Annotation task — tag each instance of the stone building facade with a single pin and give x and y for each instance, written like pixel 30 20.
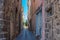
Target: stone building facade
pixel 33 6
pixel 1 21
pixel 34 18
pixel 11 19
pixel 52 19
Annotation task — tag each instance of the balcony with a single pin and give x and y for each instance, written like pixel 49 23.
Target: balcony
pixel 2 38
pixel 59 1
pixel 1 25
pixel 1 12
pixel 2 35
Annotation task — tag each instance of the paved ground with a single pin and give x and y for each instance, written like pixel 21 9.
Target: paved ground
pixel 26 35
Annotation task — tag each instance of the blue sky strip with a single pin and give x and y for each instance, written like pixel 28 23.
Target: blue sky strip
pixel 25 7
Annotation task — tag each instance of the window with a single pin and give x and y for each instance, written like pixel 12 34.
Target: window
pixel 54 38
pixel 59 8
pixel 46 1
pixel 46 35
pixel 0 29
pixel 1 16
pixel 1 1
pixel 18 0
pixel 48 20
pixel 1 7
pixel 49 25
pixel 1 35
pixel 47 30
pixel 1 22
pixel 56 17
pixel 58 0
pixel 16 10
pixel 5 35
pixel 46 25
pixel 1 12
pixel 45 39
pixel 49 13
pixel 58 23
pixel 58 31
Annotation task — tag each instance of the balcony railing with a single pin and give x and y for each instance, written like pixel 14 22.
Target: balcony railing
pixel 2 38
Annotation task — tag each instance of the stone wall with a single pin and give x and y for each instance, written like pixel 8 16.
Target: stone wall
pixel 53 19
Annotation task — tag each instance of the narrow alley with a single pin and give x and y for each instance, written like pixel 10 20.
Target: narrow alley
pixel 25 35
pixel 29 19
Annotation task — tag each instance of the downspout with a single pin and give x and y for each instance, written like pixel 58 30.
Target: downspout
pixel 43 16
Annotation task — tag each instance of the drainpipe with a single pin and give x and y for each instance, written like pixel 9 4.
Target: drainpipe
pixel 43 16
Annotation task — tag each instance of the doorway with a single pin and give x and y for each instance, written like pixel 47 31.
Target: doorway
pixel 39 23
